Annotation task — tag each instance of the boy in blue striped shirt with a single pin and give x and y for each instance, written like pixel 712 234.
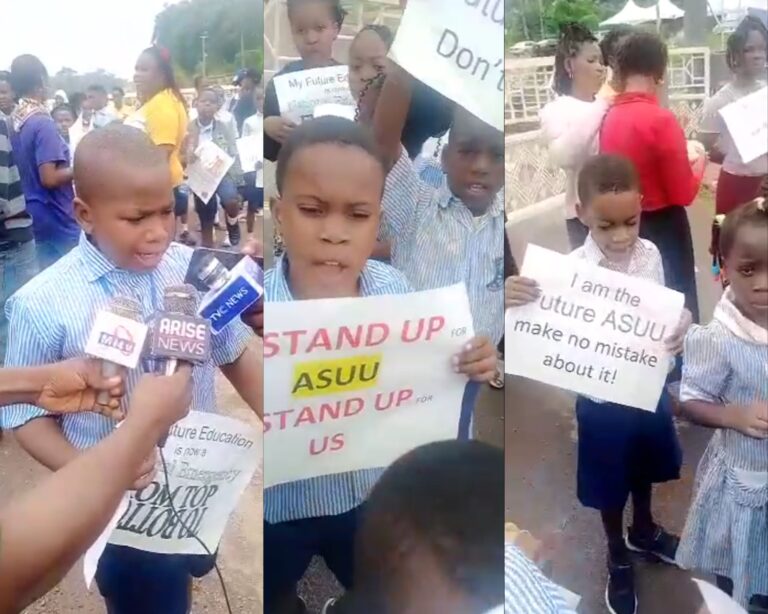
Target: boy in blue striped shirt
pixel 452 234
pixel 124 205
pixel 330 178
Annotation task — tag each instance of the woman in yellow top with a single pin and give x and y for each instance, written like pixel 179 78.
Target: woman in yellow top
pixel 163 116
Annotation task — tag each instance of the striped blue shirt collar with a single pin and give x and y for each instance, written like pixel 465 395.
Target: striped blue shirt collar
pixel 446 199
pixel 96 264
pixel 371 280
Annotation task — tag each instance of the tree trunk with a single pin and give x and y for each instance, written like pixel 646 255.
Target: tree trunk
pixel 541 19
pixel 695 22
pixel 524 19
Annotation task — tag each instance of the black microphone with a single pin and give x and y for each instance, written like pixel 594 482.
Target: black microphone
pixel 117 338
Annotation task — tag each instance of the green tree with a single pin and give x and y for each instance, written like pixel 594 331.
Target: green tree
pixel 230 27
pixel 562 12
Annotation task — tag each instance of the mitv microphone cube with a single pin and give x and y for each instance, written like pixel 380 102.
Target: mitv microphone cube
pixel 116 339
pixel 232 294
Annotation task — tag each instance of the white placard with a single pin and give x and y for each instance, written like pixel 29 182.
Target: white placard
pixel 355 383
pixel 116 339
pixel 250 149
pixel 335 110
pixel 747 122
pixel 211 459
pixel 299 93
pixel 457 48
pixel 716 601
pixel 594 331
pixel 211 166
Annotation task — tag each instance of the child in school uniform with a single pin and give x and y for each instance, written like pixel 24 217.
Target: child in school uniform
pixel 125 208
pixel 623 450
pixel 330 177
pixel 452 234
pixel 253 188
pixel 205 127
pixel 725 386
pixel 430 542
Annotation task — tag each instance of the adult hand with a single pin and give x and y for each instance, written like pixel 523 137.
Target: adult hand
pixel 254 317
pixel 278 128
pixel 161 401
pixel 477 360
pixel 74 386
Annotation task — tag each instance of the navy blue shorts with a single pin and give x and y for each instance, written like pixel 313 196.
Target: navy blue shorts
pixel 290 546
pixel 225 193
pixel 180 200
pixel 621 447
pixel 133 581
pixel 251 194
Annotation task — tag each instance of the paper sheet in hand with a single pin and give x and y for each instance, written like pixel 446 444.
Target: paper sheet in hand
pixel 594 331
pixel 250 149
pixel 457 48
pixel 211 459
pixel 748 124
pixel 355 383
pixel 205 174
pixel 299 93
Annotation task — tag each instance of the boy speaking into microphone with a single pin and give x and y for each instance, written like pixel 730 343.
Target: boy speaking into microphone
pixel 125 207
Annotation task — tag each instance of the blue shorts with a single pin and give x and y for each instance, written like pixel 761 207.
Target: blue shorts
pixel 137 582
pixel 622 447
pixel 251 194
pixel 180 200
pixel 225 193
pixel 290 546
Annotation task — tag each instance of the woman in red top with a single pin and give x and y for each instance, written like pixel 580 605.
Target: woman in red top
pixel 640 129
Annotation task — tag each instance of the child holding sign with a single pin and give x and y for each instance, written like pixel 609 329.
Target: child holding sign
pixel 207 128
pixel 739 181
pixel 315 25
pixel 622 450
pixel 452 234
pixel 725 387
pixel 330 177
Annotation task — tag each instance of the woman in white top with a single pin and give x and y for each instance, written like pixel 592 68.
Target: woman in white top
pixel 570 123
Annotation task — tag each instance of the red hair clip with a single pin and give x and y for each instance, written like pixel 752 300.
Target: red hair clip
pixel 165 54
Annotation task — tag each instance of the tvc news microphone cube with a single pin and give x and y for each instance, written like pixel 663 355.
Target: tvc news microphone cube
pixel 117 339
pixel 231 292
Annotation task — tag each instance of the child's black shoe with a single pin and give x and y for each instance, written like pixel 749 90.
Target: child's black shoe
pixel 233 230
pixel 659 545
pixel 620 597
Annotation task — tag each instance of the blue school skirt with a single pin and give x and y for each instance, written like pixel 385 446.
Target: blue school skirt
pixel 621 447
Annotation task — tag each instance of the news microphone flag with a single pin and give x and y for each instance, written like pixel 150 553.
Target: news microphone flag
pixel 231 292
pixel 117 338
pixel 178 334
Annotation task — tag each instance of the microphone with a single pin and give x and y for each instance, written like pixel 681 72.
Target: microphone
pixel 230 292
pixel 117 338
pixel 178 334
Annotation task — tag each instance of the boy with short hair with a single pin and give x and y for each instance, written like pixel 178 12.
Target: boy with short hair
pixel 454 233
pixel 124 207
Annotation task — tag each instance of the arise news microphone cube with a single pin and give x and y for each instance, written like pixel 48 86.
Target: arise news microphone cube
pixel 181 337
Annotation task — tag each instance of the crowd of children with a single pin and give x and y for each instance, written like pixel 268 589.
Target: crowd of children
pixel 630 175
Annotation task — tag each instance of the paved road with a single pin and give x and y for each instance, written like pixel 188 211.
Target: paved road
pixel 540 447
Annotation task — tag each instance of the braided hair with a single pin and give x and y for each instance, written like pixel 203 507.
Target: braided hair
pixel 726 227
pixel 573 37
pixel 162 57
pixel 737 41
pixel 377 82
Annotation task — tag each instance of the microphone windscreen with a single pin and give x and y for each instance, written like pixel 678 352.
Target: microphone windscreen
pixel 125 307
pixel 181 299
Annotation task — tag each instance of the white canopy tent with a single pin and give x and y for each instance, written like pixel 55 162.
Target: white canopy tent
pixel 632 14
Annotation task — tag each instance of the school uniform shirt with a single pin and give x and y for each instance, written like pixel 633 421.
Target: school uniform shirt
pixel 51 317
pixel 644 263
pixel 327 495
pixel 712 123
pixel 526 589
pixel 726 533
pixel 164 118
pixel 437 242
pixel 640 129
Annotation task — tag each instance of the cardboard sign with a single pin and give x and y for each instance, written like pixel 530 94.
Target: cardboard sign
pixel 748 124
pixel 457 48
pixel 594 331
pixel 356 383
pixel 205 174
pixel 299 93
